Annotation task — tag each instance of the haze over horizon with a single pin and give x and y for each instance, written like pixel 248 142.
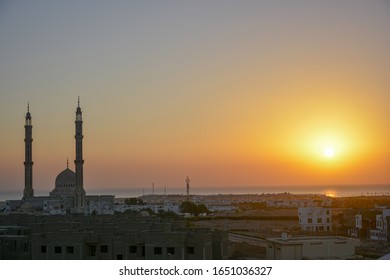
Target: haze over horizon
pixel 229 93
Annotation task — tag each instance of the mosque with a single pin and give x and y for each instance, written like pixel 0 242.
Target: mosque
pixel 68 195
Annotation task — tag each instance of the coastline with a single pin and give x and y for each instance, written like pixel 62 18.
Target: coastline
pixel 330 190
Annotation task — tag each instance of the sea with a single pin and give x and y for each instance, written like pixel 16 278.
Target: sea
pixel 330 190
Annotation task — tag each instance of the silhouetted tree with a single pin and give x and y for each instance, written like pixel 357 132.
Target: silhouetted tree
pixel 188 207
pixel 192 208
pixel 203 209
pixel 134 201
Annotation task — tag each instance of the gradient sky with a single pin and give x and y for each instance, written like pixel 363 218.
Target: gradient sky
pixel 230 93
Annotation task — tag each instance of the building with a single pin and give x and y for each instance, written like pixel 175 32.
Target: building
pixel 15 242
pixel 315 219
pixel 68 195
pixel 388 228
pixel 381 231
pixel 365 223
pixel 80 237
pixel 314 247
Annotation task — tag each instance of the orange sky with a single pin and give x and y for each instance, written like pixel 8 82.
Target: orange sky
pixel 247 95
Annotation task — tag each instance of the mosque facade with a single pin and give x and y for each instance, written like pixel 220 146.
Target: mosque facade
pixel 68 195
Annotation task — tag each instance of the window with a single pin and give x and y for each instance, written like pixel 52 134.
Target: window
pixel 190 250
pixel 43 249
pixel 92 250
pixel 327 220
pixel 319 220
pixel 103 249
pixel 157 250
pixel 25 247
pixel 309 220
pixel 57 249
pixel 69 249
pixel 327 212
pixel 170 250
pixel 133 249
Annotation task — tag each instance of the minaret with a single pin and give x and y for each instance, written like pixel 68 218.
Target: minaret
pixel 79 190
pixel 28 163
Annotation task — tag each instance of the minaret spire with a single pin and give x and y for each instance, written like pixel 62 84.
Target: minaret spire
pixel 79 195
pixel 67 162
pixel 28 163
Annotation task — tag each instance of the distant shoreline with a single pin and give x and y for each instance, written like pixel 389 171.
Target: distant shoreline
pixel 331 190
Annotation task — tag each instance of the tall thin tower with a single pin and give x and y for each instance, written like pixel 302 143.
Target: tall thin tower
pixel 188 186
pixel 28 163
pixel 79 162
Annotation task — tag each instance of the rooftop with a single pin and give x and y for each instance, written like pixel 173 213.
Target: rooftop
pixel 305 239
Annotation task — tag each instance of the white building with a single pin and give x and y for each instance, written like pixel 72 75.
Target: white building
pixel 156 208
pixel 381 231
pixel 298 248
pixel 314 219
pixel 358 226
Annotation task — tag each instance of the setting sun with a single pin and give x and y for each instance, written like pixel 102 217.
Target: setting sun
pixel 329 152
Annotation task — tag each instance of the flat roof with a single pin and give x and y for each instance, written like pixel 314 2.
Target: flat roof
pixel 305 239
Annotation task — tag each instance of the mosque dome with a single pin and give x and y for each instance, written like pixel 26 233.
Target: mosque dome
pixel 66 178
pixel 144 214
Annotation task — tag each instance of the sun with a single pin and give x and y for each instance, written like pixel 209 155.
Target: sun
pixel 331 194
pixel 329 152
